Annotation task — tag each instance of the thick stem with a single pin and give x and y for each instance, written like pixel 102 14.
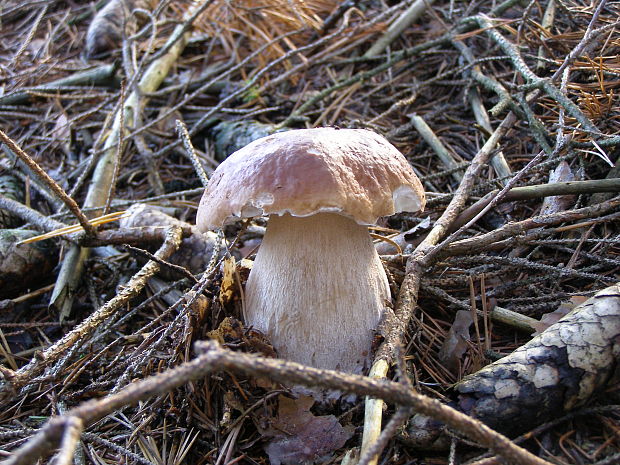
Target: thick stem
pixel 318 290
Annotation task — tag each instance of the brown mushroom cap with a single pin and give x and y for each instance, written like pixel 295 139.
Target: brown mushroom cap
pixel 353 172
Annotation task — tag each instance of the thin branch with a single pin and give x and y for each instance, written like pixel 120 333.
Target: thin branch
pixel 371 454
pixel 53 353
pixel 214 358
pixel 437 145
pixel 73 428
pixel 403 21
pixel 585 41
pixel 511 230
pixel 62 195
pixel 396 325
pixel 40 222
pixel 535 81
pixel 181 30
pixel 535 192
pixel 117 154
pixel 191 152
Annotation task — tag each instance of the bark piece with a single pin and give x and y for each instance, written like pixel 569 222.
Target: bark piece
pixel 195 251
pixel 230 136
pixel 25 264
pixel 557 371
pixel 12 188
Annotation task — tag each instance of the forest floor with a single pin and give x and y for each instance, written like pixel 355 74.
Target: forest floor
pixel 508 112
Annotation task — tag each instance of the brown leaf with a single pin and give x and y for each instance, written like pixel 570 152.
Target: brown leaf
pixel 558 203
pixel 229 330
pixel 455 344
pixel 552 318
pixel 167 120
pixel 232 331
pixel 301 437
pixel 227 289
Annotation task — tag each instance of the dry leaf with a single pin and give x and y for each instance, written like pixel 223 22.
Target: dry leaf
pixel 455 344
pixel 558 203
pixel 167 120
pixel 37 47
pixel 62 132
pixel 232 331
pixel 301 437
pixel 227 289
pixel 564 309
pixel 229 330
pixel 62 128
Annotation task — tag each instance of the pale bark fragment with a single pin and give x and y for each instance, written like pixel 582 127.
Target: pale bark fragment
pixel 196 248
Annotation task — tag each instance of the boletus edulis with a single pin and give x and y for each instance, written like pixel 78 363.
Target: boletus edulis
pixel 317 287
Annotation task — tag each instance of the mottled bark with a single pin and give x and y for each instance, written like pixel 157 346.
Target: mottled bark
pixel 559 370
pixel 231 136
pixel 24 264
pixel 12 188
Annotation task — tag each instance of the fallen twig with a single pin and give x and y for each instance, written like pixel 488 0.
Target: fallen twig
pixel 103 176
pixel 213 358
pixel 541 190
pixel 101 75
pixel 53 353
pixel 410 16
pixel 416 265
pixel 62 195
pixel 39 221
pixel 514 230
pixel 438 147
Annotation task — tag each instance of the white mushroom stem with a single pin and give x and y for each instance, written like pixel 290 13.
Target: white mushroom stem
pixel 318 290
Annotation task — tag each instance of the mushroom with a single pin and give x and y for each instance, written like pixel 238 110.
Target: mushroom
pixel 317 287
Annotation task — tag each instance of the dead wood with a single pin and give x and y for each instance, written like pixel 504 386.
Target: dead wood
pixel 556 372
pixel 25 375
pixel 214 358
